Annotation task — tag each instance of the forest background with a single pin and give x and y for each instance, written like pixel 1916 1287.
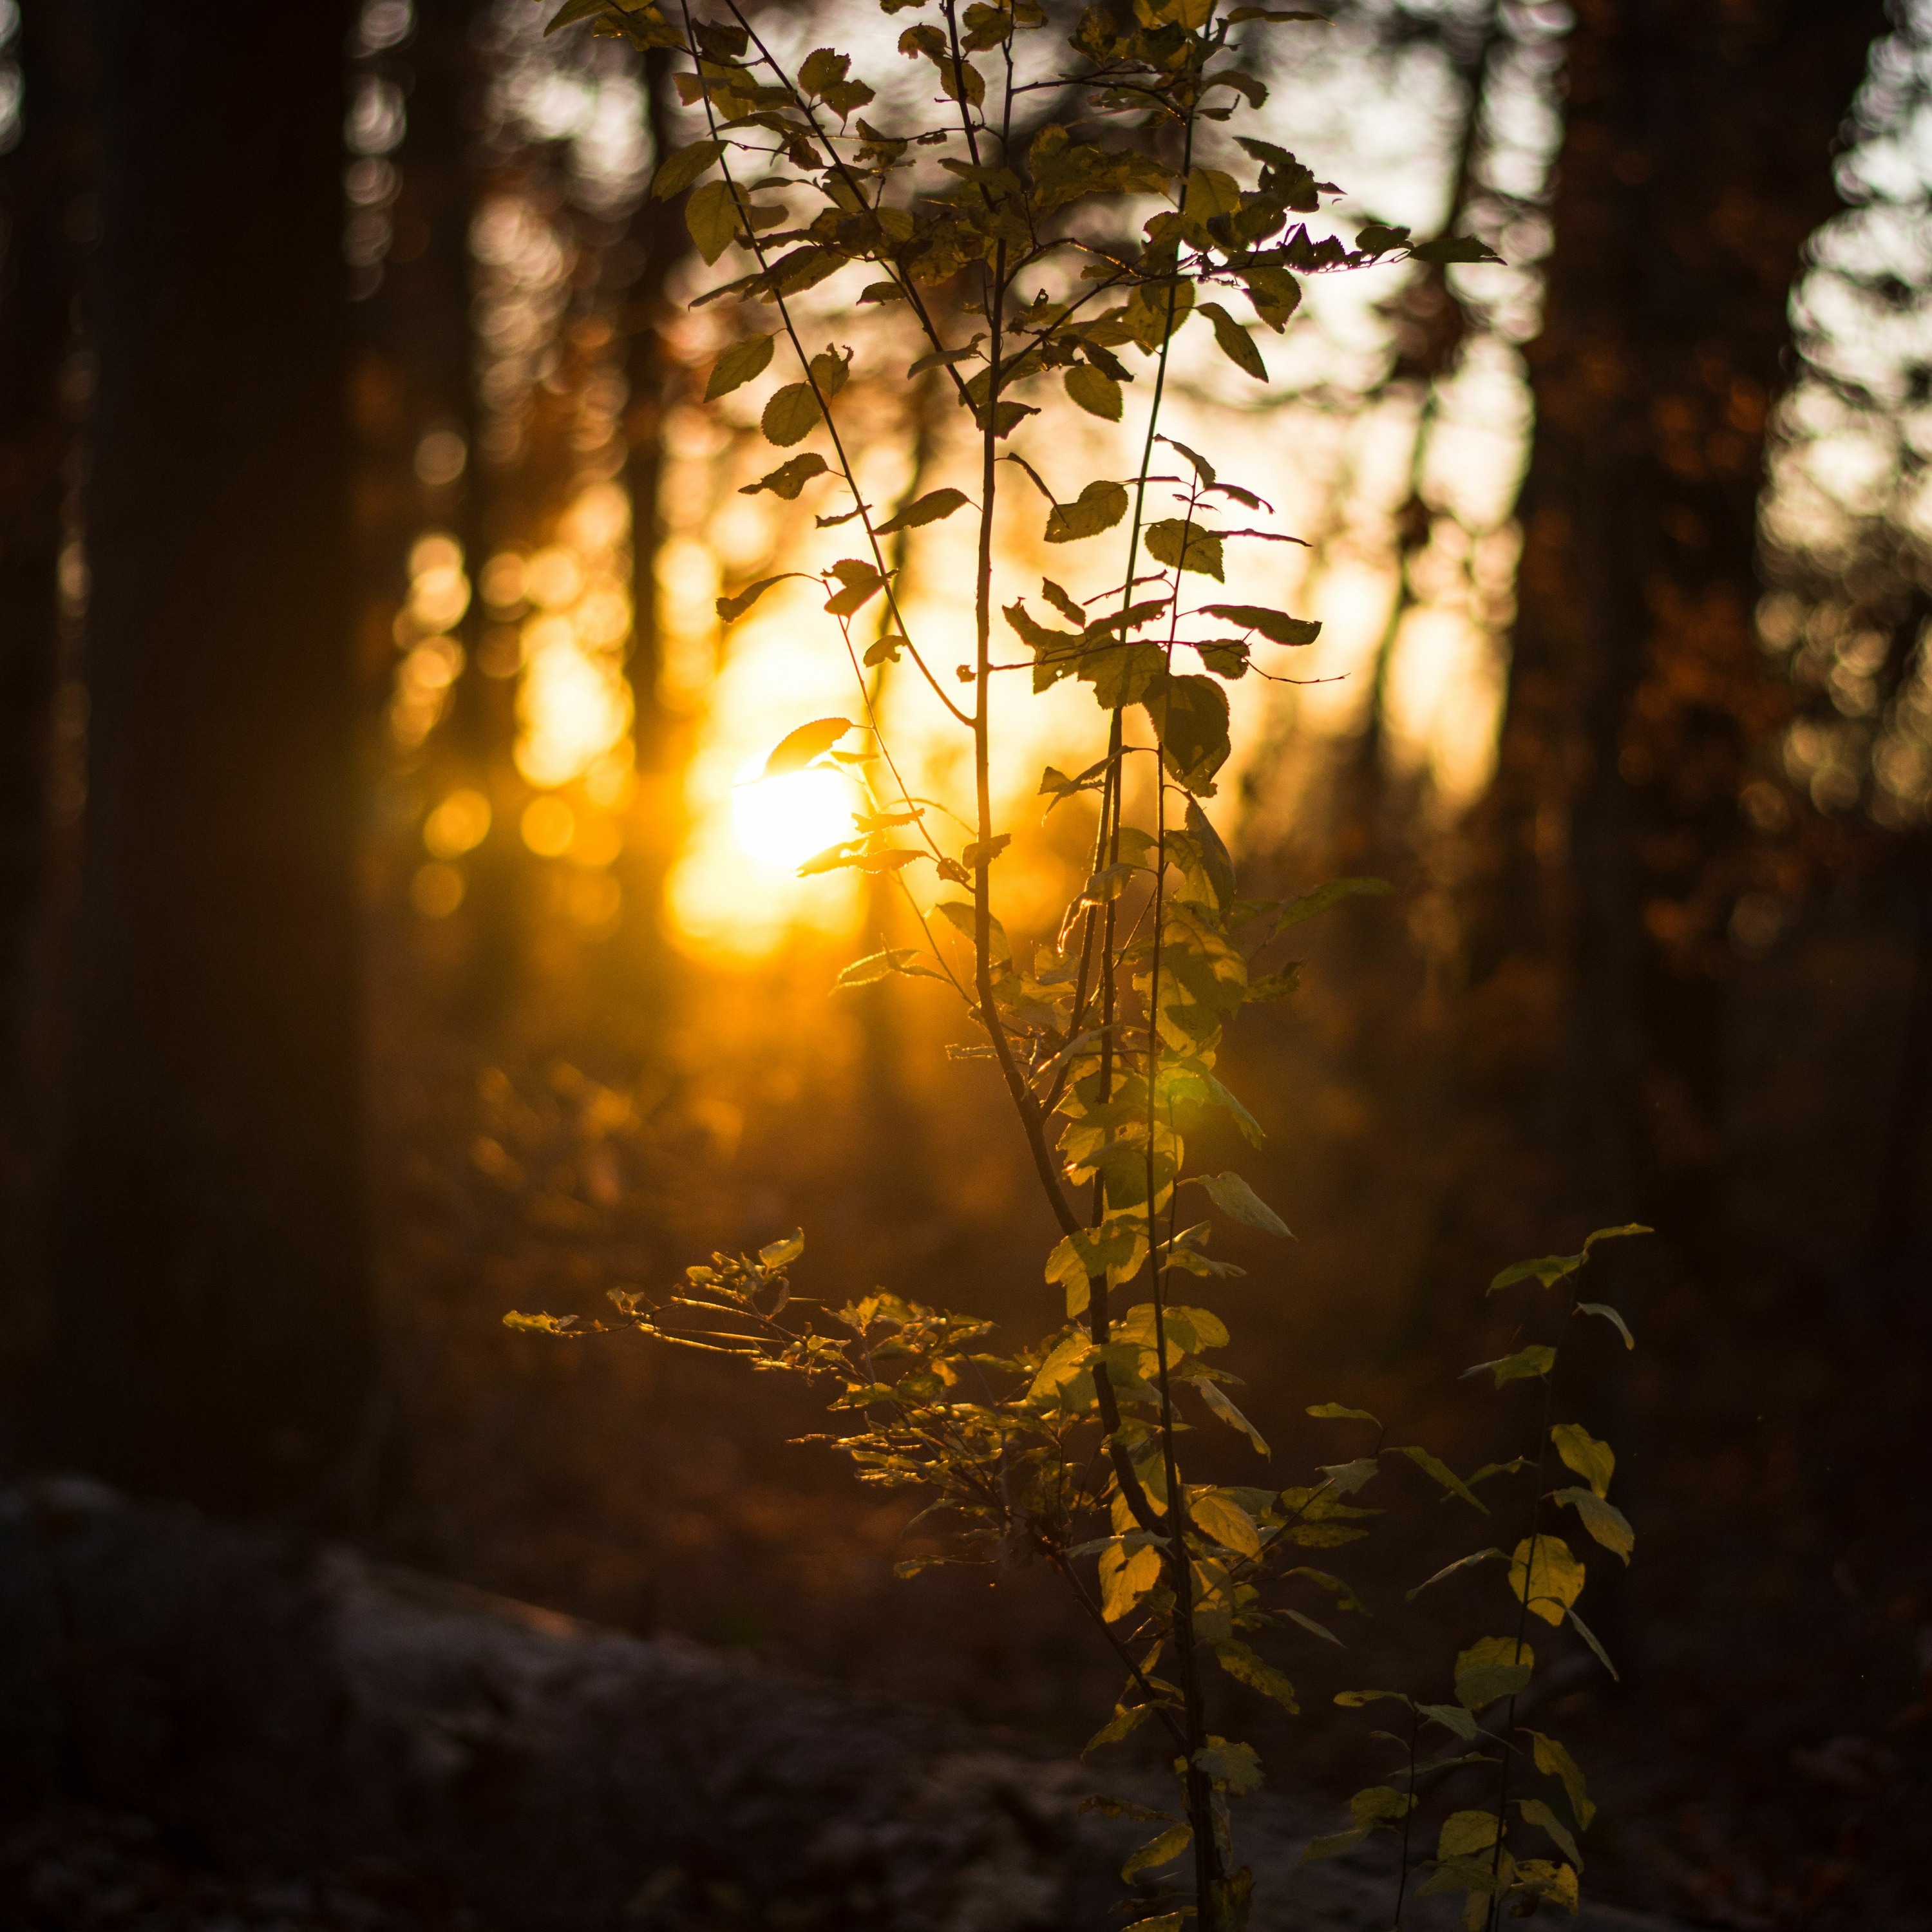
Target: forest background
pixel 391 937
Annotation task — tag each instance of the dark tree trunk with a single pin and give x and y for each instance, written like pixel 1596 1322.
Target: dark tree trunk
pixel 213 1334
pixel 1697 161
pixel 42 224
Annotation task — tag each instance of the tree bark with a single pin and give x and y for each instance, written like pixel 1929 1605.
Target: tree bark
pixel 213 1330
pixel 1697 161
pixel 42 211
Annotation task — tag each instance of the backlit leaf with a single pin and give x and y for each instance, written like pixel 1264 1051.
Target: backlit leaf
pixel 791 415
pixel 680 170
pixel 1595 1462
pixel 1464 1832
pixel 737 366
pixel 1235 1767
pixel 1162 1850
pixel 1546 1575
pixel 789 478
pixel 1180 543
pixel 730 609
pixel 1450 1569
pixel 1239 1202
pixel 1099 507
pixel 1603 1520
pixel 1220 1516
pixel 797 749
pixel 930 508
pixel 1435 1467
pixel 1096 392
pixel 1535 1812
pixel 1534 1360
pixel 1234 342
pixel 1245 1667
pixel 1547 1270
pixel 1278 627
pixel 1493 1667
pixel 1334 1412
pixel 1554 1761
pixel 1610 1315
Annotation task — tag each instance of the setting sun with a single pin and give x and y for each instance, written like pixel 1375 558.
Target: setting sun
pixel 782 822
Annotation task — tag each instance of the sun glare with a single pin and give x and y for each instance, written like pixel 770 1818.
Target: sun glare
pixel 782 822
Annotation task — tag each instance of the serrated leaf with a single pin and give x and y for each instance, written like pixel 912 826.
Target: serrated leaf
pixel 678 170
pixel 791 415
pixel 1243 1665
pixel 776 1254
pixel 1182 544
pixel 789 478
pixel 730 609
pixel 1190 715
pixel 1554 1761
pixel 738 365
pixel 1159 1851
pixel 1278 627
pixel 711 216
pixel 797 749
pixel 1234 342
pixel 1239 1202
pixel 935 506
pixel 1447 248
pixel 1220 1517
pixel 1603 1520
pixel 1099 507
pixel 1595 1462
pixel 1094 391
pixel 1546 1576
pixel 1233 1765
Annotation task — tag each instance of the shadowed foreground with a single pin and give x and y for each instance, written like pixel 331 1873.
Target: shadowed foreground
pixel 378 1748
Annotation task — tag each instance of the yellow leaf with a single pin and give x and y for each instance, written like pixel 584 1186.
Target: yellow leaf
pixel 1464 1832
pixel 1220 1517
pixel 1595 1462
pixel 1545 1574
pixel 791 416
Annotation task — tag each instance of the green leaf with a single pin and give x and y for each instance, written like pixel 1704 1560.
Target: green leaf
pixel 1610 1315
pixel 1548 1269
pixel 1182 544
pixel 1589 1637
pixel 789 478
pixel 730 609
pixel 934 506
pixel 1348 1478
pixel 1603 1520
pixel 902 960
pixel 1433 1465
pixel 1278 627
pixel 1243 1665
pixel 791 416
pixel 1234 1767
pixel 1546 1576
pixel 711 216
pixel 737 366
pixel 1617 1234
pixel 1099 507
pixel 680 170
pixel 1450 1569
pixel 1123 1724
pixel 1234 342
pixel 1535 1812
pixel 1334 1412
pixel 1275 293
pixel 1464 1832
pixel 1535 1360
pixel 797 749
pixel 776 1254
pixel 1452 1717
pixel 1190 715
pixel 1095 391
pixel 1159 1851
pixel 1222 1405
pixel 1553 1761
pixel 1493 1667
pixel 1239 1202
pixel 1454 248
pixel 1595 1462
pixel 1312 905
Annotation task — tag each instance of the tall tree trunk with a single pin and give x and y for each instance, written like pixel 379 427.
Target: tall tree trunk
pixel 42 183
pixel 1696 160
pixel 213 1335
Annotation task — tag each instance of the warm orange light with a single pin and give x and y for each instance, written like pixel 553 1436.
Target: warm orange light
pixel 459 824
pixel 781 822
pixel 548 826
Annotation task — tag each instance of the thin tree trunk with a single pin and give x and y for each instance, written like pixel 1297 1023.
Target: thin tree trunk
pixel 213 1337
pixel 42 183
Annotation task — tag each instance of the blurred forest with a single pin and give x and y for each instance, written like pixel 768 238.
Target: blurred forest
pixel 389 938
